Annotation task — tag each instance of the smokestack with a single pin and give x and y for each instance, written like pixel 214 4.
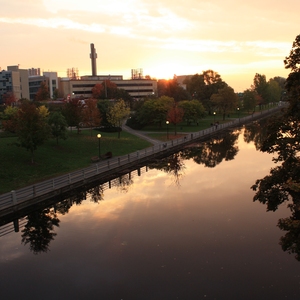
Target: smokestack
pixel 93 57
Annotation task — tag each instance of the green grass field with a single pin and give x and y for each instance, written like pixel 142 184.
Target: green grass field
pixel 50 159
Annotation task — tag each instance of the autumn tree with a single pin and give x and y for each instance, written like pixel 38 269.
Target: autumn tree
pixel 193 111
pixel 72 111
pixel 97 91
pixel 58 126
pixel 90 114
pixel 9 99
pixel 175 115
pixel 31 128
pixel 172 89
pixel 117 114
pixel 43 92
pixel 225 100
pixel 8 118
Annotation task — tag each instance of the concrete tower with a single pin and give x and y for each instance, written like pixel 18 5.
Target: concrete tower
pixel 93 57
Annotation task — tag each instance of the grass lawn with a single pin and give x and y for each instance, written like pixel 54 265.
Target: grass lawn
pixel 50 159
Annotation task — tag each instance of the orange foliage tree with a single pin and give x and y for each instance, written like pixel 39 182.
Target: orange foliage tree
pixel 91 115
pixel 175 115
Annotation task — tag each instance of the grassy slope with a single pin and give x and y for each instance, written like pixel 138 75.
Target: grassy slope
pixel 52 160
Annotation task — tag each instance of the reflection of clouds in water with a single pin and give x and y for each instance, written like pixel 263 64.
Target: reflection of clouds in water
pixel 8 248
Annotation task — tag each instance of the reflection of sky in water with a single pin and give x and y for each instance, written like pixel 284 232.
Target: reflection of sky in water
pixel 202 239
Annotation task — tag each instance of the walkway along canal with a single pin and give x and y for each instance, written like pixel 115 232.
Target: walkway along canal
pixel 22 198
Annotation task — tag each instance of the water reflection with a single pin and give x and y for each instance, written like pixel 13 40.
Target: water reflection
pixel 216 150
pixel 272 190
pixel 39 230
pixel 173 165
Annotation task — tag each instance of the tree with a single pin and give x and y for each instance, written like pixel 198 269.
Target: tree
pixel 9 119
pixel 97 91
pixel 72 111
pixel 175 115
pixel 91 114
pixel 9 99
pixel 261 87
pixel 225 100
pixel 117 114
pixel 203 86
pixel 283 139
pixel 154 111
pixel 193 111
pixel 43 92
pixel 58 126
pixel 293 60
pixel 249 100
pixel 274 90
pixel 172 89
pixel 31 128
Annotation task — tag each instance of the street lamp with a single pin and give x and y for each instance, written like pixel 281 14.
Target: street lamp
pixel 214 117
pixel 99 137
pixel 167 122
pixel 238 109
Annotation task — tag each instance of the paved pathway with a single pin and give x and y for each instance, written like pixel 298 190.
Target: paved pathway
pixel 141 134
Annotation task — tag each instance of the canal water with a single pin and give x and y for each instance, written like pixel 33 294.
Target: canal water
pixel 186 228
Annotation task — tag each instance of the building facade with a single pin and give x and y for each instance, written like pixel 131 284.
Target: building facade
pixel 137 88
pixel 14 82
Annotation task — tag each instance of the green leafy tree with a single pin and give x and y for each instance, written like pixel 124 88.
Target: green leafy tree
pixel 225 100
pixel 260 85
pixel 249 100
pixel 203 86
pixel 117 114
pixel 154 111
pixel 274 91
pixel 58 126
pixel 193 111
pixel 31 128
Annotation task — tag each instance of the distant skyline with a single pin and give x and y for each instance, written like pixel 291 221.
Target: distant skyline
pixel 234 38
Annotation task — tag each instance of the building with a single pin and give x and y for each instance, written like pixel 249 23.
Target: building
pixel 14 82
pixel 82 87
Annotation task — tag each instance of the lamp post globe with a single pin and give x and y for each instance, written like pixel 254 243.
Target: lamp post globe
pixel 167 122
pixel 99 138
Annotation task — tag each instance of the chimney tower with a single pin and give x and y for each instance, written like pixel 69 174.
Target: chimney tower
pixel 93 57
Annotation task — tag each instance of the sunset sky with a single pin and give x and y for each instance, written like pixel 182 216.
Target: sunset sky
pixel 234 38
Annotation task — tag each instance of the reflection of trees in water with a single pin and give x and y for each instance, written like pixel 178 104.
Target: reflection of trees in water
pixel 123 183
pixel 256 133
pixel 173 165
pixel 96 193
pixel 216 150
pixel 39 230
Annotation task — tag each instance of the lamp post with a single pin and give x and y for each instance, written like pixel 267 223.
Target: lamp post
pixel 238 109
pixel 214 117
pixel 99 137
pixel 167 122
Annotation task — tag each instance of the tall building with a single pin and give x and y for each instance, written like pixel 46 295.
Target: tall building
pixel 14 82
